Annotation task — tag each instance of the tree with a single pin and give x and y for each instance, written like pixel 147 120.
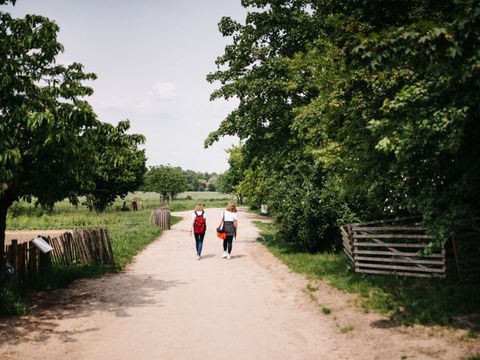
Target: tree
pixel 230 179
pixel 121 165
pixel 165 180
pixel 360 109
pixel 212 184
pixel 426 128
pixel 44 150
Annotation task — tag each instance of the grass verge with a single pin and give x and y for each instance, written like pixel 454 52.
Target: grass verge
pixel 405 300
pixel 130 233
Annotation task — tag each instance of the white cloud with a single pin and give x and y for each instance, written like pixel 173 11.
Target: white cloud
pixel 164 91
pixel 161 92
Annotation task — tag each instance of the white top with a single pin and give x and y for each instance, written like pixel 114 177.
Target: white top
pixel 230 216
pixel 199 212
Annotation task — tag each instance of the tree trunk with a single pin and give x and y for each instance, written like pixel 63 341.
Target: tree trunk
pixel 5 201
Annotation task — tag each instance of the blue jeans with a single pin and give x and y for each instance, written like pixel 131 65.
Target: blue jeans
pixel 199 242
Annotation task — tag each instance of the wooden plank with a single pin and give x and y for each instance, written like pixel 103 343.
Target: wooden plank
pixel 384 259
pixel 393 245
pixel 21 260
pixel 398 267
pixel 105 255
pixel 381 272
pixel 391 236
pixel 84 246
pixel 397 253
pixel 109 243
pixel 388 228
pixel 56 258
pixel 346 243
pixel 349 256
pixel 79 249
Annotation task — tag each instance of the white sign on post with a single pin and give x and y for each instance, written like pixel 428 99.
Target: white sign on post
pixel 264 209
pixel 42 245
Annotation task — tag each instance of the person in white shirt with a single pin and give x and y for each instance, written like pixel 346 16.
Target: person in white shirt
pixel 230 225
pixel 199 227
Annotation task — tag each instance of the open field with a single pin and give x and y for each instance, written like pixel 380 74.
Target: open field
pixel 26 216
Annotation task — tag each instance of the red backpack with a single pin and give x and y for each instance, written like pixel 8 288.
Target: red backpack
pixel 199 225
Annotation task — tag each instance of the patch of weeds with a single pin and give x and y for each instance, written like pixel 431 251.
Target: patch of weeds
pixel 474 333
pixel 311 288
pixel 473 357
pixel 11 302
pixel 346 328
pixel 326 310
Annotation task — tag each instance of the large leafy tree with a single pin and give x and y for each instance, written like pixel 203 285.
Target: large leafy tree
pixel 365 108
pixel 428 126
pixel 165 180
pixel 44 152
pixel 120 164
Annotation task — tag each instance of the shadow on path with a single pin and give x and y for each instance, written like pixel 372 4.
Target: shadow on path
pixel 114 293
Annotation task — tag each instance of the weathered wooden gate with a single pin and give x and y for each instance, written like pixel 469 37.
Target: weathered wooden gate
pixel 392 247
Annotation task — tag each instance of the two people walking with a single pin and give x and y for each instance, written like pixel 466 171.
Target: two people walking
pixel 228 223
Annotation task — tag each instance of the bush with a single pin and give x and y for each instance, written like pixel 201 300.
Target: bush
pixel 10 301
pixel 308 211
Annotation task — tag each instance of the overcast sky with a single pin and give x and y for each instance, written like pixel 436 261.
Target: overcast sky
pixel 151 58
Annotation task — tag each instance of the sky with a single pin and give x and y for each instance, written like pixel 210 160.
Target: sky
pixel 151 58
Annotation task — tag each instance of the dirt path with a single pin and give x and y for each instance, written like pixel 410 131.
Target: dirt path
pixel 168 305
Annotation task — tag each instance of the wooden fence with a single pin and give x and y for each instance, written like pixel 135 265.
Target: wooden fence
pixel 466 251
pixel 161 217
pixel 391 248
pixel 80 246
pixel 383 248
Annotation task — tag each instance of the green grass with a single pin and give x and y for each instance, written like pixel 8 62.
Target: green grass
pixel 25 216
pixel 11 302
pixel 405 300
pixel 130 233
pixel 346 328
pixel 473 357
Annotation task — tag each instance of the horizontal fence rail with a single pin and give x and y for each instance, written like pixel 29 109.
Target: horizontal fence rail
pixel 76 247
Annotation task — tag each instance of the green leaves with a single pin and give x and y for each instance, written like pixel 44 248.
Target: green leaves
pixel 119 164
pixel 165 180
pixel 355 109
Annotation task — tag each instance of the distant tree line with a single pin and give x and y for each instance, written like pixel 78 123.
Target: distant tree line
pixel 354 110
pixel 169 181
